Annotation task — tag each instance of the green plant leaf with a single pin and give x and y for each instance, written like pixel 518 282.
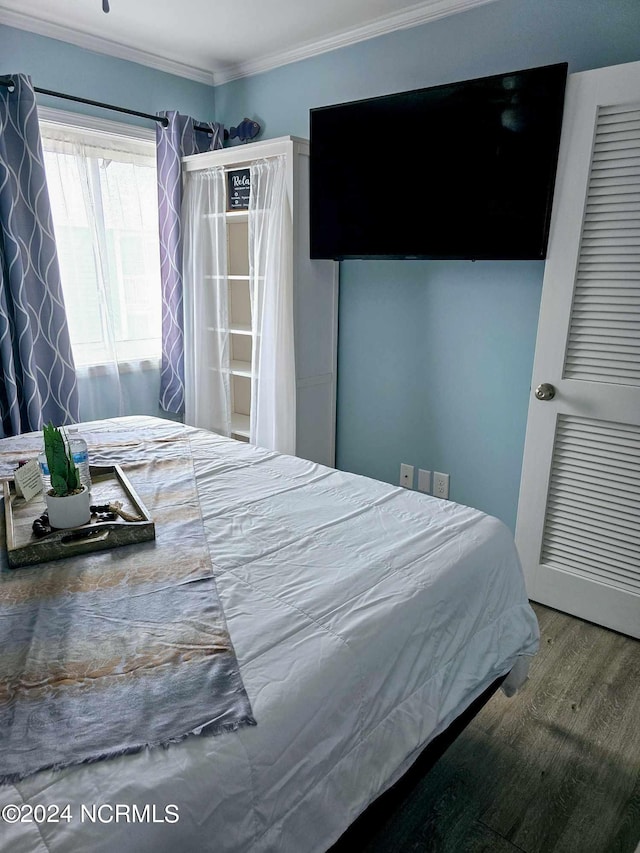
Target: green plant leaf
pixel 65 477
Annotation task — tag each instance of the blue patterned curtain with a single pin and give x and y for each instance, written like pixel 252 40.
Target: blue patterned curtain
pixel 177 140
pixel 38 381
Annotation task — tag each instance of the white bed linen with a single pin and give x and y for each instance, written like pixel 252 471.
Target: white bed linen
pixel 365 618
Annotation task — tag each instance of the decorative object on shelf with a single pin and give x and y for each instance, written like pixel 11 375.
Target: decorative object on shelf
pixel 246 130
pixel 238 189
pixel 67 500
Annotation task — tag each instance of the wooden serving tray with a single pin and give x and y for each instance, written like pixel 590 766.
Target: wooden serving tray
pixel 109 484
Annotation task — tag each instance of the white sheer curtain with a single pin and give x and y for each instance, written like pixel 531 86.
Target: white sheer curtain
pixel 104 207
pixel 273 389
pixel 206 302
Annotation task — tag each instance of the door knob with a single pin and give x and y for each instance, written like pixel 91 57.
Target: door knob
pixel 545 391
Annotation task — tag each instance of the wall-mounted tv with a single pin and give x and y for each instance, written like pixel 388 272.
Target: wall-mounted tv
pixel 464 170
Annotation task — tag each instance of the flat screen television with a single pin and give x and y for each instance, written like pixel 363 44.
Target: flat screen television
pixel 464 170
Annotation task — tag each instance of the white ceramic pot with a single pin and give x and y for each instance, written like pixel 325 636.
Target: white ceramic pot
pixel 70 510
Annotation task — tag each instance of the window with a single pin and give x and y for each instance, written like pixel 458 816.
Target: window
pixel 104 203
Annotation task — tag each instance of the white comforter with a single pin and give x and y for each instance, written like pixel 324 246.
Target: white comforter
pixel 364 617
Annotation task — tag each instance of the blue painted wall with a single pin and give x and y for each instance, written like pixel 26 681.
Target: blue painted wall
pixel 435 358
pixel 61 67
pixel 434 369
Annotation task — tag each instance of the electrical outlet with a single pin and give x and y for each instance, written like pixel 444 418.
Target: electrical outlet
pixel 424 481
pixel 440 485
pixel 406 476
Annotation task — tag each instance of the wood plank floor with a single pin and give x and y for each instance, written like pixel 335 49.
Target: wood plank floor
pixel 556 769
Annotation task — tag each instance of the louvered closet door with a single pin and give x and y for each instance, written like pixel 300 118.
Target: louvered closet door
pixel 578 529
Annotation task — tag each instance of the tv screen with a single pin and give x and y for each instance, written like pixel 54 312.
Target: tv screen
pixel 464 170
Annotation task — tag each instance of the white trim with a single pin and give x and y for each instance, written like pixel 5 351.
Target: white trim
pixel 422 13
pixel 102 45
pixel 239 154
pixel 98 125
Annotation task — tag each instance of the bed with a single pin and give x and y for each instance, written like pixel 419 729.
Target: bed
pixel 365 619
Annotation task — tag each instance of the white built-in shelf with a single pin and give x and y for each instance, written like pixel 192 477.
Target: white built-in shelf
pixel 240 425
pixel 235 329
pixel 233 215
pixel 241 368
pixel 316 291
pixel 228 277
pixel 236 368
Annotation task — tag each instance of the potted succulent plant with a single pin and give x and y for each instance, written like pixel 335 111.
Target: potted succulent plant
pixel 67 500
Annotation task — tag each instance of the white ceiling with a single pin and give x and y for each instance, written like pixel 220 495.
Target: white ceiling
pixel 214 41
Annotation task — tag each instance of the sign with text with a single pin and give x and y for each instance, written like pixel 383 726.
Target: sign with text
pixel 238 189
pixel 27 479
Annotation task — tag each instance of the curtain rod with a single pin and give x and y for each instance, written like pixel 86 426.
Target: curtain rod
pixel 7 82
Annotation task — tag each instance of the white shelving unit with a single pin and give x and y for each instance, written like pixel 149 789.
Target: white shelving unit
pixel 240 328
pixel 315 303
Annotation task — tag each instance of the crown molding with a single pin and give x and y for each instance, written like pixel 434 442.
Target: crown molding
pixel 101 45
pixel 422 13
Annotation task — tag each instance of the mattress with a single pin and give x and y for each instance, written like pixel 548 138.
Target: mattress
pixel 364 617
